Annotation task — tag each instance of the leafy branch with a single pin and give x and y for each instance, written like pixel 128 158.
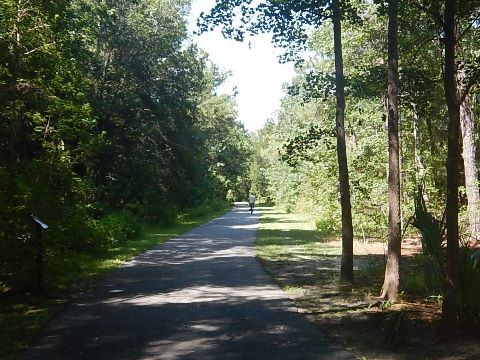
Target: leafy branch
pixel 297 148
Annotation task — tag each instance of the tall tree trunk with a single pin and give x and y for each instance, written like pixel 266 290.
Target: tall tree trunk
pixel 419 166
pixel 449 307
pixel 392 270
pixel 346 270
pixel 471 170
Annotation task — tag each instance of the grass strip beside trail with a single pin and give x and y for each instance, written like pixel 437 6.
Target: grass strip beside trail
pixel 23 315
pixel 288 240
pixel 306 264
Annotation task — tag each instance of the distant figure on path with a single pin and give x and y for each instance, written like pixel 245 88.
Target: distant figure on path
pixel 251 202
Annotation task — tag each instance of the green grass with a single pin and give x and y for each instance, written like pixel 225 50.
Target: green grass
pixel 289 248
pixel 23 315
pixel 285 236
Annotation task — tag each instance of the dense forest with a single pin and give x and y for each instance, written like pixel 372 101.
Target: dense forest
pixel 110 118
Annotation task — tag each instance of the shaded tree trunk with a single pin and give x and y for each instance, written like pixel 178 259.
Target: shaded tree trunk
pixel 346 270
pixel 449 306
pixel 419 166
pixel 471 169
pixel 391 282
pixel 433 153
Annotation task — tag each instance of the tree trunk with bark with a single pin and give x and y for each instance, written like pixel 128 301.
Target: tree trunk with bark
pixel 419 166
pixel 471 169
pixel 449 306
pixel 346 270
pixel 391 282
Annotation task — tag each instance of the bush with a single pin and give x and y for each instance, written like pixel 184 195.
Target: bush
pixel 326 226
pixel 433 243
pixel 199 211
pixel 206 208
pixel 160 212
pixel 469 292
pixel 120 226
pixel 219 204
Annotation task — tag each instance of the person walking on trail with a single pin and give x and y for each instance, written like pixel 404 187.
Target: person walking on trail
pixel 251 202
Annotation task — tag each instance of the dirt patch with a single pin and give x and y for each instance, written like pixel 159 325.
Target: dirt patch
pixel 355 316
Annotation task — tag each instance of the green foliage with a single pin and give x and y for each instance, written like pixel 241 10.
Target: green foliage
pixel 228 149
pixel 119 227
pixel 207 208
pixel 299 146
pixel 469 292
pixel 110 117
pixel 295 164
pixel 327 225
pixel 314 85
pixel 433 246
pixel 433 242
pixel 289 22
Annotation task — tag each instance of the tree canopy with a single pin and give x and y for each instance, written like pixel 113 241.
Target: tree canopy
pixel 110 117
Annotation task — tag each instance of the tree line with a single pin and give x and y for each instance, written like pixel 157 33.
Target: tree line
pixel 380 120
pixel 110 117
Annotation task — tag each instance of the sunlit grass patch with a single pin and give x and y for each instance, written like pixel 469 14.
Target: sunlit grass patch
pixel 294 291
pixel 285 235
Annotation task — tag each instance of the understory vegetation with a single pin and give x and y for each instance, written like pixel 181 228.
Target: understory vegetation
pixel 305 263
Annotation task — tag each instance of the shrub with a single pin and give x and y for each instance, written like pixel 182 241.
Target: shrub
pixel 469 291
pixel 326 226
pixel 433 240
pixel 160 212
pixel 219 204
pixel 120 226
pixel 206 208
pixel 199 211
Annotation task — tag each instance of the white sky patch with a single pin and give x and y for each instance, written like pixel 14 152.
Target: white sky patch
pixel 256 72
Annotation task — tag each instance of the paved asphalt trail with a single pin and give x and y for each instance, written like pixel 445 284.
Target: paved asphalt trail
pixel 200 296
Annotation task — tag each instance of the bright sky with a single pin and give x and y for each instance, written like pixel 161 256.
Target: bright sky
pixel 255 71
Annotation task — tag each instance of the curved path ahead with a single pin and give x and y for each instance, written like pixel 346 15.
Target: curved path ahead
pixel 200 296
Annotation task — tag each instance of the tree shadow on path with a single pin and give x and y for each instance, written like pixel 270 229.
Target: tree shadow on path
pixel 200 296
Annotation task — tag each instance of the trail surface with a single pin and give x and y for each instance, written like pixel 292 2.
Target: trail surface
pixel 200 296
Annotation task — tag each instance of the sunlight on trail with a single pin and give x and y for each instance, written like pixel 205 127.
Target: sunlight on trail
pixel 202 294
pixel 251 226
